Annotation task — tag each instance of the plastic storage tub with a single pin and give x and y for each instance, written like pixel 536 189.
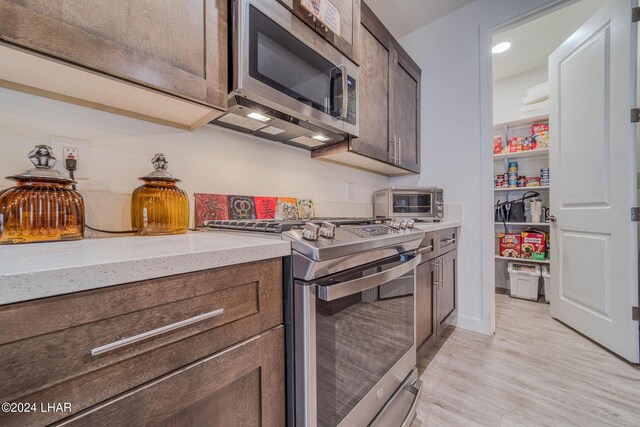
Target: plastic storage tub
pixel 524 280
pixel 546 277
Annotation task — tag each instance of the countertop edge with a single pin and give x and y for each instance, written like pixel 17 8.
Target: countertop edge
pixel 436 226
pixel 29 286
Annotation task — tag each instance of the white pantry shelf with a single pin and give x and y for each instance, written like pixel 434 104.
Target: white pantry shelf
pixel 530 224
pixel 544 118
pixel 546 261
pixel 541 187
pixel 542 152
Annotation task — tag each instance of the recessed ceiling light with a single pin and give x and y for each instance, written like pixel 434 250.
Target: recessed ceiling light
pixel 259 117
pixel 321 138
pixel 501 47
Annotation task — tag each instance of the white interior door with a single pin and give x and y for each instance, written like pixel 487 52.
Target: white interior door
pixel 594 254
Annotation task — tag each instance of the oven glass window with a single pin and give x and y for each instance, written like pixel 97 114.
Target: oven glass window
pixel 412 203
pixel 278 59
pixel 360 337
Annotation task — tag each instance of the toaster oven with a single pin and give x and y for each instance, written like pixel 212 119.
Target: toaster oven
pixel 420 203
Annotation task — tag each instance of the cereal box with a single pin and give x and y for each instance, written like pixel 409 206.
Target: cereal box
pixel 510 245
pixel 533 245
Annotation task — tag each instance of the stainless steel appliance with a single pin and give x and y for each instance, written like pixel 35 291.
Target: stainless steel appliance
pixel 288 84
pixel 420 203
pixel 350 316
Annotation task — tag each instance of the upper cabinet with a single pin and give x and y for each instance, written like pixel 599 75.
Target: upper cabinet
pixel 169 47
pixel 348 11
pixel 405 107
pixel 388 107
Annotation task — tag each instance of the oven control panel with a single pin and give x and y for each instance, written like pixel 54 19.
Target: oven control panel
pixel 370 231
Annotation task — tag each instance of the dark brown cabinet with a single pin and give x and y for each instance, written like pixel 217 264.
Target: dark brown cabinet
pixel 242 386
pixel 425 321
pixel 200 339
pixel 388 106
pixel 177 48
pixel 348 40
pixel 436 287
pixel 405 108
pixel 446 299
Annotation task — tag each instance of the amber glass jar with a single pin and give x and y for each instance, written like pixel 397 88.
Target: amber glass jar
pixel 42 207
pixel 159 206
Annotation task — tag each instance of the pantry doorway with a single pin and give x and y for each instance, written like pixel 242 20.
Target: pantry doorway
pixel 576 44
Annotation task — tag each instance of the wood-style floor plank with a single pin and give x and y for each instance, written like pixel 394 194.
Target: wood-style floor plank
pixel 534 371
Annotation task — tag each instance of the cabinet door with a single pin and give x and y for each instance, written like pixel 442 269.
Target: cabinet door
pixel 176 47
pixel 348 40
pixel 446 295
pixel 405 105
pixel 425 322
pixel 241 386
pixel 373 104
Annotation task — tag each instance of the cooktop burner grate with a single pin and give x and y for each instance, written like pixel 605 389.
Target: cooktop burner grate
pixel 278 226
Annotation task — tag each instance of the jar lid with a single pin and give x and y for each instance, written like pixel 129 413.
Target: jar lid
pixel 43 159
pixel 160 173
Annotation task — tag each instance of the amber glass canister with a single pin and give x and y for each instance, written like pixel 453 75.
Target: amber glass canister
pixel 42 206
pixel 159 206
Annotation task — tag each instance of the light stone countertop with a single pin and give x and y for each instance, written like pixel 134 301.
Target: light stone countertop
pixel 435 226
pixel 38 270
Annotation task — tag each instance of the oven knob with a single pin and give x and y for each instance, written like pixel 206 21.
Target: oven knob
pixel 310 231
pixel 395 223
pixel 328 230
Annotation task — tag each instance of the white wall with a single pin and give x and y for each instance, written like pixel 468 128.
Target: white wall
pixel 209 160
pixel 508 93
pixel 451 53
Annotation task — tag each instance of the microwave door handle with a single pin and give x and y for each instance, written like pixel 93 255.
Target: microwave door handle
pixel 345 93
pixel 339 290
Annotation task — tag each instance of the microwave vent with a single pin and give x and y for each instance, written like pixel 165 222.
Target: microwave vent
pixel 241 121
pixel 309 142
pixel 272 130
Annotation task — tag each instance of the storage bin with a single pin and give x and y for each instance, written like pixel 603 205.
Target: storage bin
pixel 524 280
pixel 546 277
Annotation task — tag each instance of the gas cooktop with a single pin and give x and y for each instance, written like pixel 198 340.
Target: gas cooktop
pixel 280 226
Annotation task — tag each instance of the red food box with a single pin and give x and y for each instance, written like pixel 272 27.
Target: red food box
pixel 510 245
pixel 497 145
pixel 539 127
pixel 533 245
pixel 513 145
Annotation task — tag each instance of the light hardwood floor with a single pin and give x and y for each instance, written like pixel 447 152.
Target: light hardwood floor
pixel 533 372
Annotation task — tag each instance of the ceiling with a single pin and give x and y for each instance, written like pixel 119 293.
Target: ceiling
pixel 533 42
pixel 403 17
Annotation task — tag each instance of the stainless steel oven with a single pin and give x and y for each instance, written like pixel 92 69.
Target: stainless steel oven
pixel 355 349
pixel 422 203
pixel 288 83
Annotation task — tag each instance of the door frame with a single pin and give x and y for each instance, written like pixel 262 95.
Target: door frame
pixel 487 31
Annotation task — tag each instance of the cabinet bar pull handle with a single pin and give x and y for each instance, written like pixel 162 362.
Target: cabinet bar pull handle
pixel 449 240
pixel 395 150
pixel 154 332
pixel 426 249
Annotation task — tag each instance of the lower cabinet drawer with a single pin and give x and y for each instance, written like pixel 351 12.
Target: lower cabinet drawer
pixel 87 347
pixel 241 386
pixel 447 240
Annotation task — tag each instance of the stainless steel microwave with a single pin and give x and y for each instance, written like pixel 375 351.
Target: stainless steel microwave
pixel 422 203
pixel 288 83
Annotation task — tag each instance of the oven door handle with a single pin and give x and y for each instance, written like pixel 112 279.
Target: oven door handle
pixel 339 290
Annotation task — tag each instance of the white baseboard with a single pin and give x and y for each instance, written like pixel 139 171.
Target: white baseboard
pixel 473 324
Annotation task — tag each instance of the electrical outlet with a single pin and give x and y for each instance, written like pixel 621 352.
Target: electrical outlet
pixel 66 148
pixel 71 153
pixel 350 192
